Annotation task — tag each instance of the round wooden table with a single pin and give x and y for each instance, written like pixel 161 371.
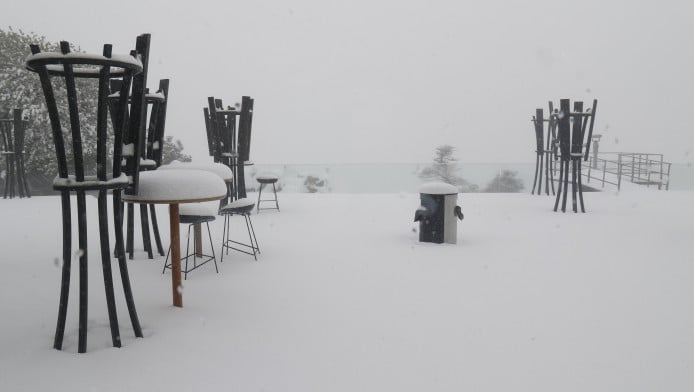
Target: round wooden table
pixel 217 168
pixel 174 187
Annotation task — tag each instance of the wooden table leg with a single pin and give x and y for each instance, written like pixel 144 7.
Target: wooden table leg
pixel 175 256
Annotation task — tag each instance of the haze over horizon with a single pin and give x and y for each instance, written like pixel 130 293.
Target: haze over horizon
pixel 388 81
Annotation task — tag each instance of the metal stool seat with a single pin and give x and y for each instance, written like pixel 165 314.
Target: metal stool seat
pixel 239 207
pixel 263 180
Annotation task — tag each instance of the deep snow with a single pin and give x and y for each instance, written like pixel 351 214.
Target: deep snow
pixel 344 298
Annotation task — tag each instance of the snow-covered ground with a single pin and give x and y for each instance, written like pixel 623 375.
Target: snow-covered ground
pixel 344 298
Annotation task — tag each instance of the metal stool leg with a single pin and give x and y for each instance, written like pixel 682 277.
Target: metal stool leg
pixel 214 257
pixel 84 273
pixel 260 191
pixel 123 264
pixel 274 190
pixel 106 266
pixel 166 261
pixel 252 231
pixel 185 272
pixel 67 262
pixel 225 230
pixel 253 247
pixel 155 228
pixel 144 222
pixel 129 235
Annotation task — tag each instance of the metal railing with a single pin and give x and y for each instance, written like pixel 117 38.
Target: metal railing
pixel 638 168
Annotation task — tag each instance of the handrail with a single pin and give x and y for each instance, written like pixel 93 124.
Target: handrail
pixel 639 168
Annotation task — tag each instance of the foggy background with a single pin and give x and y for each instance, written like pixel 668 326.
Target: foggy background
pixel 388 81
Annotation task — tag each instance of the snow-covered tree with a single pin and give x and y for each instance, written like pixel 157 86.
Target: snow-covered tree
pixel 506 181
pixel 445 169
pixel 173 151
pixel 21 89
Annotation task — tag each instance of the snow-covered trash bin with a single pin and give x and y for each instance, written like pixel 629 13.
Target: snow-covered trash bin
pixel 438 213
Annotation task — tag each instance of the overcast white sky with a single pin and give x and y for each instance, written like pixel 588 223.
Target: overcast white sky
pixel 387 81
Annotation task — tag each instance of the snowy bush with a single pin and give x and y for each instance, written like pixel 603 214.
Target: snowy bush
pixel 506 181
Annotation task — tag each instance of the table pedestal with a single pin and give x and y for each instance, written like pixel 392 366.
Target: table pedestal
pixel 175 256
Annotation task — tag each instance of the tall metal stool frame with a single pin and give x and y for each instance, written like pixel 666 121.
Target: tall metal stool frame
pixel 545 153
pixel 221 136
pixel 12 148
pixel 151 155
pixel 192 220
pixel 105 67
pixel 571 142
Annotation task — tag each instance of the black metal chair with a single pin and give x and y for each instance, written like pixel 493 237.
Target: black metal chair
pixel 74 175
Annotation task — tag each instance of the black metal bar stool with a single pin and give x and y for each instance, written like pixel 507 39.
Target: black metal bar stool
pixel 241 207
pixel 195 214
pixel 72 176
pixel 265 179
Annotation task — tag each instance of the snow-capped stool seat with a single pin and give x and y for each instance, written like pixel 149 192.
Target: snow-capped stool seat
pixel 239 207
pixel 267 178
pixel 264 179
pixel 194 215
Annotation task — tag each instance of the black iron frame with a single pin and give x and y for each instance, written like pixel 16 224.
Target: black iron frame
pixel 253 246
pixel 70 67
pixel 204 258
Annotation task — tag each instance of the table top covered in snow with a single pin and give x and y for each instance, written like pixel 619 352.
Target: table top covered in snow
pixel 221 170
pixel 177 186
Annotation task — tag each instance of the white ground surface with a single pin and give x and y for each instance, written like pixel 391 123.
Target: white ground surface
pixel 344 298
